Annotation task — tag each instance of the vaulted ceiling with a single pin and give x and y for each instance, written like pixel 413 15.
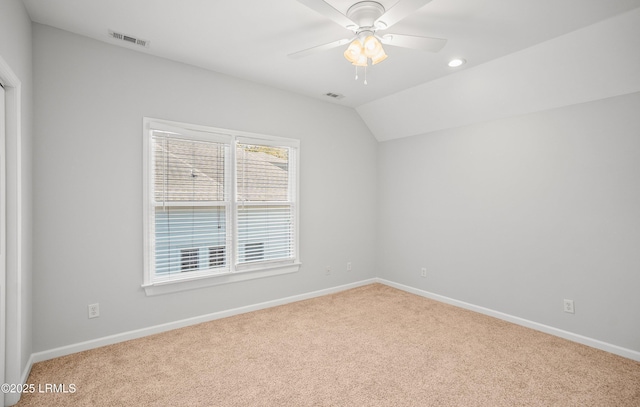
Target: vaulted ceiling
pixel 511 47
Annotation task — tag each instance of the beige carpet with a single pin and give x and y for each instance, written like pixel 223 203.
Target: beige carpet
pixel 369 346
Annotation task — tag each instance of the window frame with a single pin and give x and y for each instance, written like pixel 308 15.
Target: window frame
pixel 232 272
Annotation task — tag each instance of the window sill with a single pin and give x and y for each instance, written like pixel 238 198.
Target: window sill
pixel 172 286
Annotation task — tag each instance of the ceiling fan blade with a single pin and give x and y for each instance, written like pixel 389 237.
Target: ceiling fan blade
pixel 324 47
pixel 328 11
pixel 414 42
pixel 396 13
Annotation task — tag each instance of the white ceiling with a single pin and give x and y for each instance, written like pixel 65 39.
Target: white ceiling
pixel 595 62
pixel 251 39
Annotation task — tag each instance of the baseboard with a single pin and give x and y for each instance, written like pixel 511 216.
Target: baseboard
pixel 139 333
pixel 13 398
pixel 27 369
pixel 594 343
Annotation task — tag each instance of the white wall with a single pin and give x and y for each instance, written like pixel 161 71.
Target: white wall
pixel 517 214
pixel 90 101
pixel 15 51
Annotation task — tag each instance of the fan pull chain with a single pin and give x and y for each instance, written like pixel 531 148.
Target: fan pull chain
pixel 365 74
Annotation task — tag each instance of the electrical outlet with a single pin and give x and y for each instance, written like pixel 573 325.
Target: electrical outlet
pixel 423 272
pixel 328 271
pixel 349 266
pixel 568 306
pixel 94 310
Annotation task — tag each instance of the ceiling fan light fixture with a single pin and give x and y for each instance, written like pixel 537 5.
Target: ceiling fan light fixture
pixel 372 46
pixel 361 61
pixel 359 53
pixel 379 57
pixel 353 51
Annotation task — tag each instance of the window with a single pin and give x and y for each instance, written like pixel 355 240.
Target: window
pixel 220 206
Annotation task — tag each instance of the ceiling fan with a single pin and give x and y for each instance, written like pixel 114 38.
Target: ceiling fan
pixel 365 20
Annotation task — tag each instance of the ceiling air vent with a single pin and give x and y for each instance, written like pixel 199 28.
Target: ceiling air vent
pixel 129 39
pixel 334 95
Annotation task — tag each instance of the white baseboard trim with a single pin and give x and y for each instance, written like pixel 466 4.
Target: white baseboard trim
pixel 139 333
pixel 594 343
pixel 13 398
pixel 27 369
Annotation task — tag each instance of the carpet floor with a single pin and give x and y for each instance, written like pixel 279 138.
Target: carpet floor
pixel 369 346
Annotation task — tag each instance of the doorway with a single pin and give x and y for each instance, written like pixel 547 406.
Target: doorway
pixel 11 319
pixel 3 228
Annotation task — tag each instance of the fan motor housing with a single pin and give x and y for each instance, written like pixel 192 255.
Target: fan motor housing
pixel 365 13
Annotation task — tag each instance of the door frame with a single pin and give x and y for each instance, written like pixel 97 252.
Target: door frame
pixel 13 279
pixel 3 246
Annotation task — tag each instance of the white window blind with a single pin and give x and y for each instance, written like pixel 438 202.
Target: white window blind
pixel 189 204
pixel 265 220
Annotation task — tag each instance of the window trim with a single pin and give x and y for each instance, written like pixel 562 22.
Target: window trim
pixel 236 273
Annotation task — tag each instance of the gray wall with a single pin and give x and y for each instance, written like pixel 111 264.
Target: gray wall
pixel 517 214
pixel 90 100
pixel 15 49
